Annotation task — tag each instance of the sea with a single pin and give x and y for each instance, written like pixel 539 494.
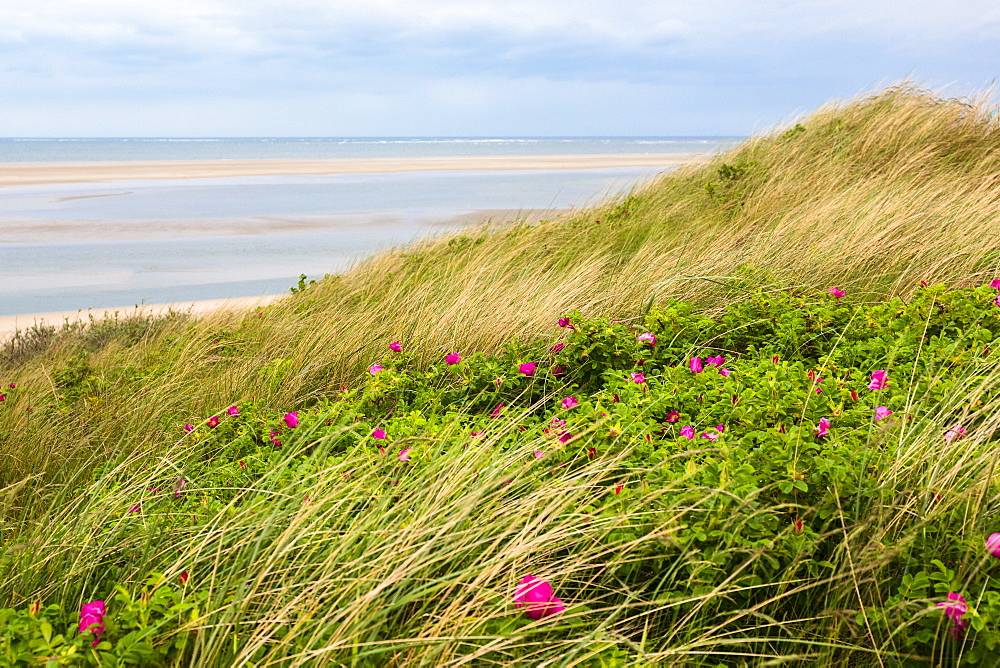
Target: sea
pixel 76 246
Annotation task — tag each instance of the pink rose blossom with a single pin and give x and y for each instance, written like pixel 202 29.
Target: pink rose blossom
pixel 378 433
pixel 452 359
pixel 836 292
pixel 212 422
pixel 955 608
pixel 824 427
pixel 997 300
pixel 673 416
pixel 570 402
pixel 374 369
pixel 725 372
pixel 882 412
pixel 695 364
pixel 537 596
pixel 556 348
pixel 565 437
pixel 556 422
pixel 233 410
pixel 995 284
pixel 189 428
pixel 92 619
pixel 718 360
pixel 564 322
pixel 528 368
pixel 993 545
pixel 711 437
pixel 648 338
pixel 879 380
pixel 292 420
pixel 687 431
pixel 638 377
pixel 396 347
pixel 496 411
pixel 955 434
pixel 539 454
pixel 404 454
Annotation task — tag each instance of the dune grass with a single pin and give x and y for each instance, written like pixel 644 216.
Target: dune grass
pixel 873 196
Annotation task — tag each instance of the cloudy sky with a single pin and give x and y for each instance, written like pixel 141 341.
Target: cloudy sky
pixel 468 67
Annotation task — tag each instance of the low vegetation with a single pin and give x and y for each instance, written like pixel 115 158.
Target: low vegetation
pixel 745 414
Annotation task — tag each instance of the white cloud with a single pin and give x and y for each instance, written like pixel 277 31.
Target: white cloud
pixel 449 58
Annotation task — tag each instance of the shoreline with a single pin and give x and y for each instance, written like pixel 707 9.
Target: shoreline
pixel 9 324
pixel 44 173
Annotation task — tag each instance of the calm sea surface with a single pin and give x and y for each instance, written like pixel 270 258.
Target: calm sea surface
pixel 77 246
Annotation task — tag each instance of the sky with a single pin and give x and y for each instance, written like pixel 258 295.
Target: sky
pixel 193 68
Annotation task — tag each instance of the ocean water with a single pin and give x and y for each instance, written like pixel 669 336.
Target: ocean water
pixel 236 148
pixel 103 245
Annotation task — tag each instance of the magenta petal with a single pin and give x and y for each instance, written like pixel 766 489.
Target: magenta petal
pixel 532 590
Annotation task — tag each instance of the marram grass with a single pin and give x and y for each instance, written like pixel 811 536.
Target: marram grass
pixel 320 554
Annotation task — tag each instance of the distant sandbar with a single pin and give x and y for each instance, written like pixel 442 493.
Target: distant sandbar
pixel 38 173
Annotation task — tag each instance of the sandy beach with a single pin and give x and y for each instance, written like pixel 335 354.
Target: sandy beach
pixel 38 173
pixel 10 324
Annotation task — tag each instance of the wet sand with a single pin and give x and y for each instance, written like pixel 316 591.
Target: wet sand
pixel 37 173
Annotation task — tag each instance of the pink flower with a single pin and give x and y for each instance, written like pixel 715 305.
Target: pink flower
pixel 648 338
pixel 955 608
pixel 537 596
pixel 673 416
pixel 556 348
pixel 836 292
pixel 396 347
pixel 565 437
pixel 189 428
pixel 993 545
pixel 725 372
pixel 528 368
pixel 374 369
pixel 233 410
pixel 687 431
pixel 452 359
pixel 570 402
pixel 995 284
pixel 292 419
pixel 212 422
pixel 718 360
pixel 882 412
pixel 539 454
pixel 3 397
pixel 564 322
pixel 997 300
pixel 955 433
pixel 824 427
pixel 496 411
pixel 12 385
pixel 378 433
pixel 559 371
pixel 136 507
pixel 404 454
pixel 92 618
pixel 711 437
pixel 879 380
pixel 695 364
pixel 638 377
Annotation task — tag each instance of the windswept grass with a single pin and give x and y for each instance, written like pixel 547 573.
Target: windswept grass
pixel 873 196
